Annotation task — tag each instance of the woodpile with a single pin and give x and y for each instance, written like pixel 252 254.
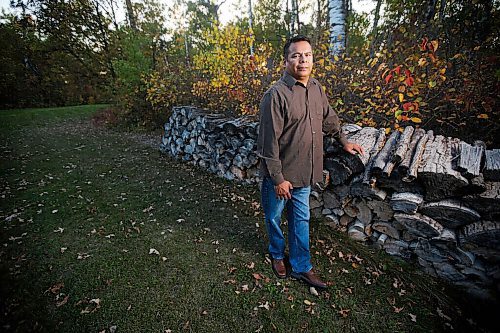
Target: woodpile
pixel 415 194
pixel 222 145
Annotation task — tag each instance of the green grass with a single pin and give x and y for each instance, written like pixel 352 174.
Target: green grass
pixel 28 117
pixel 82 208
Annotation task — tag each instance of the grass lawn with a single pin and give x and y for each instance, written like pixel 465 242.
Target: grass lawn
pixel 100 232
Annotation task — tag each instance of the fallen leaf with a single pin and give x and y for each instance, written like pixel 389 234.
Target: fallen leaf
pixel 55 288
pixel 147 210
pixel 63 301
pixel 344 312
pixel 154 251
pixel 257 276
pixel 398 310
pixel 413 317
pixel 313 291
pixel 83 256
pixel 264 305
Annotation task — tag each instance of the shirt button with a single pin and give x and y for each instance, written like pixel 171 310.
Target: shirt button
pixel 314 132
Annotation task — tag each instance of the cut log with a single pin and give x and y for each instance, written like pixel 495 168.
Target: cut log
pixel 448 238
pixel 397 247
pixel 450 213
pixel 351 209
pixel 379 144
pixel 366 138
pixel 381 209
pixel 339 172
pixel 381 240
pixel 425 250
pixel 486 203
pixel 356 231
pixel 405 163
pixel 403 144
pixel 417 156
pixel 482 234
pixel 385 154
pixel 345 220
pixel 492 165
pixel 314 202
pixel 332 221
pixel 406 202
pixel 386 228
pixel 469 162
pixel 330 200
pixel 419 224
pixel 436 171
pixel 360 189
pixel 350 128
pixel 364 212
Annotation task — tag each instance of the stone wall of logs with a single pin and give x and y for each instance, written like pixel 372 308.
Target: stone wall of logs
pixel 415 194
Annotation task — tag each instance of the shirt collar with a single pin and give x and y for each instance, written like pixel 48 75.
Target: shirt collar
pixel 290 81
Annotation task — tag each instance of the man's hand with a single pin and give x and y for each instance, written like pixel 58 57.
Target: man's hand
pixel 283 190
pixel 354 148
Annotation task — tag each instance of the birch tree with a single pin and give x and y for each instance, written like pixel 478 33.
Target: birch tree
pixel 337 11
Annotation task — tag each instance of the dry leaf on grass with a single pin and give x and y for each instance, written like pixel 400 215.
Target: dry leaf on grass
pixel 344 312
pixel 398 310
pixel 63 301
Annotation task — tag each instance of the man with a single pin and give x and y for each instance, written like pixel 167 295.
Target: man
pixel 293 114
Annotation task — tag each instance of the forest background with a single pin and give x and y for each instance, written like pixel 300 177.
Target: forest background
pixel 426 63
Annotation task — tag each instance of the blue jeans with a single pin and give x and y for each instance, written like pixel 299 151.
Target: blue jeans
pixel 298 215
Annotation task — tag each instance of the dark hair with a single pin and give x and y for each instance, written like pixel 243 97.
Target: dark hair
pixel 294 39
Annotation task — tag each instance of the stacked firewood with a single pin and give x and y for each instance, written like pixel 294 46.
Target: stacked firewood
pixel 222 145
pixel 419 196
pixel 415 194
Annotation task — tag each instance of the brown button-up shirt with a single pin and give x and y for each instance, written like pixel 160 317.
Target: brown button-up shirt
pixel 292 120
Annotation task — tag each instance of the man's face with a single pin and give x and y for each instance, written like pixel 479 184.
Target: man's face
pixel 299 62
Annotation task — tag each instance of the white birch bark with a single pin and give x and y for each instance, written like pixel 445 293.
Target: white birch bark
pixel 337 18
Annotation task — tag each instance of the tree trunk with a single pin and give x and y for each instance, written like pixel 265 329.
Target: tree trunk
pixel 375 27
pixel 337 18
pixel 431 10
pixel 131 15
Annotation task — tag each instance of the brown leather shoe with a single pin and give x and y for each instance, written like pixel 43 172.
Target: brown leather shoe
pixel 310 278
pixel 279 268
